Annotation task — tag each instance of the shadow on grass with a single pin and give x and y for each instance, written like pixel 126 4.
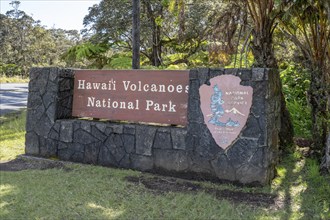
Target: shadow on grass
pixel 303 193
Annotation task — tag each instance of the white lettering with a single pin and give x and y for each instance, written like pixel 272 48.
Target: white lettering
pixel 179 89
pixel 96 85
pixel 161 88
pixel 81 84
pixel 170 88
pixel 149 104
pixel 146 87
pixel 133 87
pixel 186 89
pixel 126 84
pixel 88 85
pixel 90 101
pixel 172 107
pixel 115 104
pixel 104 86
pixel 154 88
pixel 123 105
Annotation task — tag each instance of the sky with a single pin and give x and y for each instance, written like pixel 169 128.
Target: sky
pixel 65 14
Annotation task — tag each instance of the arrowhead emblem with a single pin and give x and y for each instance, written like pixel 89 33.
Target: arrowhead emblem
pixel 226 106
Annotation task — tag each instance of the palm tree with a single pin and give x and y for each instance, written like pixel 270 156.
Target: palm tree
pixel 264 14
pixel 307 24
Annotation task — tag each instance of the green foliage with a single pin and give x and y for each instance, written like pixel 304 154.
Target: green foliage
pixel 94 53
pixel 10 70
pixel 296 82
pixel 121 61
pixel 301 119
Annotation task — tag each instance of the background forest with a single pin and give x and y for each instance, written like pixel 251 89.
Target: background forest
pixel 292 36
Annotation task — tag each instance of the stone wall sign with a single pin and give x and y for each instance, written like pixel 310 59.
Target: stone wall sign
pixel 132 95
pixel 231 132
pixel 226 106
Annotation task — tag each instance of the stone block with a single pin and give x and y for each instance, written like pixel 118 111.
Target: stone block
pixel 179 138
pixel 143 163
pixel 242 151
pixel 162 140
pixel 83 137
pixel 245 74
pixel 65 84
pixel 232 71
pixel 258 74
pixel 101 126
pixel 201 165
pixel 91 153
pixel 125 162
pixel 98 134
pixel 223 168
pixel 66 153
pixel 105 158
pixel 43 126
pixel 66 131
pixel 31 143
pixel 116 146
pixel 171 160
pixel 48 147
pixel 216 72
pixel 249 174
pixel 129 129
pixel 204 76
pixel 193 74
pixel 144 139
pixel 129 143
pixel 117 128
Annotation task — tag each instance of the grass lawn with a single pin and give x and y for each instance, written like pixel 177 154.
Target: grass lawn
pixel 77 191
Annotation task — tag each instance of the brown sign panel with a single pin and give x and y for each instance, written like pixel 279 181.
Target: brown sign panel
pixel 156 96
pixel 226 107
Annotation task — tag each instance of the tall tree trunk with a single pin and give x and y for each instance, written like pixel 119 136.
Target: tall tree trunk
pixel 136 34
pixel 156 46
pixel 156 52
pixel 262 49
pixel 319 101
pixel 325 165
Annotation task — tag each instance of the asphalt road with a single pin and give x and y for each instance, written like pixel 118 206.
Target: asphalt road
pixel 13 96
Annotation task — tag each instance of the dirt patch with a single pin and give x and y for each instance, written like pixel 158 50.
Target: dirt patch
pixel 162 185
pixel 303 142
pixel 31 163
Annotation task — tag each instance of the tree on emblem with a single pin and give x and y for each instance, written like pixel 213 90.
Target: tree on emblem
pixel 218 111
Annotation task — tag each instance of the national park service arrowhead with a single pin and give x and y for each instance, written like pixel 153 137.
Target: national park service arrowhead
pixel 226 107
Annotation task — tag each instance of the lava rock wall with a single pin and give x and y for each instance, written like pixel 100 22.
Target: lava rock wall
pixel 187 152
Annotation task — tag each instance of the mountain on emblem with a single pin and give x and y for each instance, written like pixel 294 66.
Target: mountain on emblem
pixel 234 111
pixel 226 106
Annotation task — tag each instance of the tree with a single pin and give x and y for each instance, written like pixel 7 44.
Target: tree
pixel 307 24
pixel 264 15
pixel 136 34
pixel 171 31
pixel 24 43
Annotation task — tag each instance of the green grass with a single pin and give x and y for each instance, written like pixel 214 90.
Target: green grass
pixel 12 135
pixel 93 192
